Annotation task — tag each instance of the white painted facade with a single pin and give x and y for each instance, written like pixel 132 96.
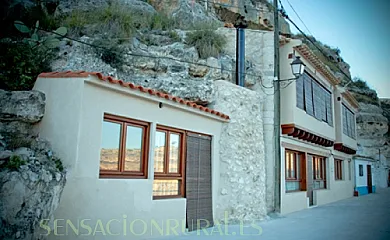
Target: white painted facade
pixel 73 123
pixel 361 181
pixel 290 114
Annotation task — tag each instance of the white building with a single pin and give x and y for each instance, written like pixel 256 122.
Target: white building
pixel 364 172
pixel 318 133
pixel 132 155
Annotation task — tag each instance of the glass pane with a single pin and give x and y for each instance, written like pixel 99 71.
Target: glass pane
pixel 166 187
pixel 109 152
pixel 292 159
pixel 292 186
pixel 159 152
pixel 288 165
pixel 133 160
pixel 174 153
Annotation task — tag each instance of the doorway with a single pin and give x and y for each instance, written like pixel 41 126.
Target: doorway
pixel 388 180
pixel 199 182
pixel 369 179
pixel 310 179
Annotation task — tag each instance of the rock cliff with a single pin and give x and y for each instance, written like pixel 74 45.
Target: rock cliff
pixel 31 177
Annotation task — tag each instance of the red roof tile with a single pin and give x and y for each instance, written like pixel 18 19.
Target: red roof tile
pixel 82 74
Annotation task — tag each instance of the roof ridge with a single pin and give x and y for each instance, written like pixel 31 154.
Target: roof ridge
pixel 130 85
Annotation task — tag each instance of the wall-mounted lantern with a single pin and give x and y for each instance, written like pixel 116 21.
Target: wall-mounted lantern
pixel 297 67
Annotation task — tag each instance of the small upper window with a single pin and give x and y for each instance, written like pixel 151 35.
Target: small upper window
pixel 124 147
pixel 361 174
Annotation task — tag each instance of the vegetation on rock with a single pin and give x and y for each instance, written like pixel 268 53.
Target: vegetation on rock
pixel 14 163
pixel 207 42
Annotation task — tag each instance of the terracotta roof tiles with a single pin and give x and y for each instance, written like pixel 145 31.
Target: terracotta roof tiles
pixel 109 79
pixel 308 54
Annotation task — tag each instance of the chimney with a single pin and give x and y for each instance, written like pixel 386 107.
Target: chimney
pixel 240 25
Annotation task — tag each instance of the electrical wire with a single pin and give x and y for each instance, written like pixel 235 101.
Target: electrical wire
pixel 299 17
pixel 285 15
pixel 259 77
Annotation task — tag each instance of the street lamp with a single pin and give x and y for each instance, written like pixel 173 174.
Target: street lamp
pixel 297 67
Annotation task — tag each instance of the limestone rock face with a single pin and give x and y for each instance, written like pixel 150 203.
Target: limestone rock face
pixel 31 178
pixel 29 194
pixel 186 11
pixel 65 6
pixel 24 106
pixel 258 13
pixel 242 190
pixel 372 136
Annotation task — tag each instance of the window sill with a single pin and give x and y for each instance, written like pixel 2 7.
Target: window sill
pixel 295 191
pixel 167 197
pixel 121 176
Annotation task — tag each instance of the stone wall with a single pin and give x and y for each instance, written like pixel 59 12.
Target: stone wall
pixel 242 194
pixel 31 177
pixel 259 56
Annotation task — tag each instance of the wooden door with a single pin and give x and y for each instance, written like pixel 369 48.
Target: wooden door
pixel 369 179
pixel 309 179
pixel 198 182
pixel 388 180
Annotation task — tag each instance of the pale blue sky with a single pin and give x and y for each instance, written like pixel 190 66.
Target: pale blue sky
pixel 359 28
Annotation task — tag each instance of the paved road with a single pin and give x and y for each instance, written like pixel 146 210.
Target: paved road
pixel 365 217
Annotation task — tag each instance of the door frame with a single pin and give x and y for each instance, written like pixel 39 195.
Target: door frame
pixel 369 178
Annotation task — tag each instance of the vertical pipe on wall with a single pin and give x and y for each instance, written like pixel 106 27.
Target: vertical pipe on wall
pixel 240 57
pixel 240 25
pixel 277 193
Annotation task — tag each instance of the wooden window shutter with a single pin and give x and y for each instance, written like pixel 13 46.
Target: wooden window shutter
pixel 345 122
pixel 329 110
pixel 317 100
pixel 308 95
pixel 199 182
pixel 353 126
pixel 300 93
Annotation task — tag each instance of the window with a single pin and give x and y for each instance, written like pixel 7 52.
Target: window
pixel 168 163
pixel 338 169
pixel 315 99
pixel 319 172
pixel 124 147
pixel 294 171
pixel 348 122
pixel 361 174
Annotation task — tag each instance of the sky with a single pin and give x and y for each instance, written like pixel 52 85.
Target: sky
pixel 359 28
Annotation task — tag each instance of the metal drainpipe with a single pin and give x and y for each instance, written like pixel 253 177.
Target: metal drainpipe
pixel 240 25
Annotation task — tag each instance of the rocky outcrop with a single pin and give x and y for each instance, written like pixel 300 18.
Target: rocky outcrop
pixel 31 177
pixel 22 106
pixel 371 129
pixel 188 12
pixel 258 13
pixel 373 141
pixel 66 6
